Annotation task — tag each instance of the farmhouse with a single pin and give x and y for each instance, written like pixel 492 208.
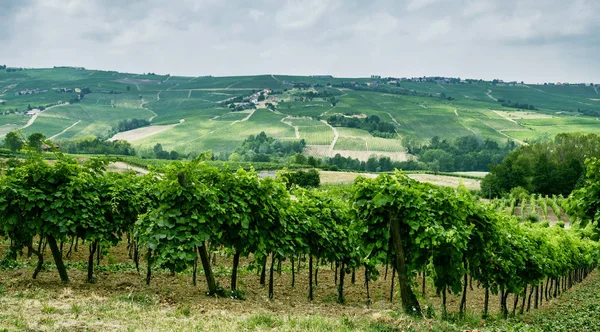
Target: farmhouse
pixel 29 92
pixel 33 112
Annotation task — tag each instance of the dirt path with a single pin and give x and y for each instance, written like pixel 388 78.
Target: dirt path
pixel 62 132
pixel 158 95
pixel 119 165
pixel 393 119
pixel 505 117
pixel 190 94
pixel 296 129
pixel 32 120
pixel 595 89
pixel 231 85
pixel 336 135
pixel 244 119
pixel 456 112
pixel 8 87
pixel 327 111
pixel 489 94
pixel 275 78
pixel 139 133
pixel 469 129
pixel 542 91
pixel 506 135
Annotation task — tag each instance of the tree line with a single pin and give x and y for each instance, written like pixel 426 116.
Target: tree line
pixel 263 148
pixel 551 167
pixel 371 123
pixel 130 124
pixel 466 153
pixel 523 106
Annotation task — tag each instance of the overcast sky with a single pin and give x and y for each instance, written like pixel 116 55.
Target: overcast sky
pixel 530 40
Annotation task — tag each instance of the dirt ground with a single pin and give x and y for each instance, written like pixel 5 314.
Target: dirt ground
pixel 178 289
pixel 139 133
pixel 439 180
pixel 447 181
pixel 120 299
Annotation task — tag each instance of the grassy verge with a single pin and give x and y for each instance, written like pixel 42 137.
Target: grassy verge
pixel 120 300
pixel 576 310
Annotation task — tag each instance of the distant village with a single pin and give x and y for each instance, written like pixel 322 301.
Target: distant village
pixel 377 80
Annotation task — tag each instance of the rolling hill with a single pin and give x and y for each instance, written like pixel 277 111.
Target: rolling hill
pixel 194 114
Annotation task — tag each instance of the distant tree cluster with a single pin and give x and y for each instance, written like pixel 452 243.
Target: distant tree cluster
pixel 548 167
pixel 125 125
pixel 391 89
pixel 93 145
pixel 41 108
pixel 371 123
pixel 15 141
pixel 306 179
pixel 323 94
pixel 159 153
pixel 594 113
pixel 467 153
pixel 262 148
pixel 2 67
pixel 524 106
pixel 373 164
pixel 12 70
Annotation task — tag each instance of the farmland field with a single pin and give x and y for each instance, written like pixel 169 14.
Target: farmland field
pixel 208 123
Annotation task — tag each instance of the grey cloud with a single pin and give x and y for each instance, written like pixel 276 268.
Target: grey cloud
pixel 467 38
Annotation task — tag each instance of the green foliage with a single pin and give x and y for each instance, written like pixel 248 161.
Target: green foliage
pixel 175 213
pixel 262 148
pixel 92 145
pixel 372 124
pixel 467 153
pixel 584 203
pixel 306 179
pixel 547 168
pixel 35 141
pixel 432 224
pixel 13 141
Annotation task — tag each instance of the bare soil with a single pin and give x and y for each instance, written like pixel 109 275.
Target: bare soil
pixel 167 293
pixel 139 133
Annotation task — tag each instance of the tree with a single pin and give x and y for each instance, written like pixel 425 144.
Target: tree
pixel 35 141
pixel 547 167
pixel 584 203
pixel 177 230
pixel 299 159
pixel 235 157
pixel 157 148
pixel 13 141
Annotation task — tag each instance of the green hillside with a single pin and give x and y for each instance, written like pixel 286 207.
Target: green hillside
pixel 199 110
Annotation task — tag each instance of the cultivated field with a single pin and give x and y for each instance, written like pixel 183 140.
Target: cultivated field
pixel 202 102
